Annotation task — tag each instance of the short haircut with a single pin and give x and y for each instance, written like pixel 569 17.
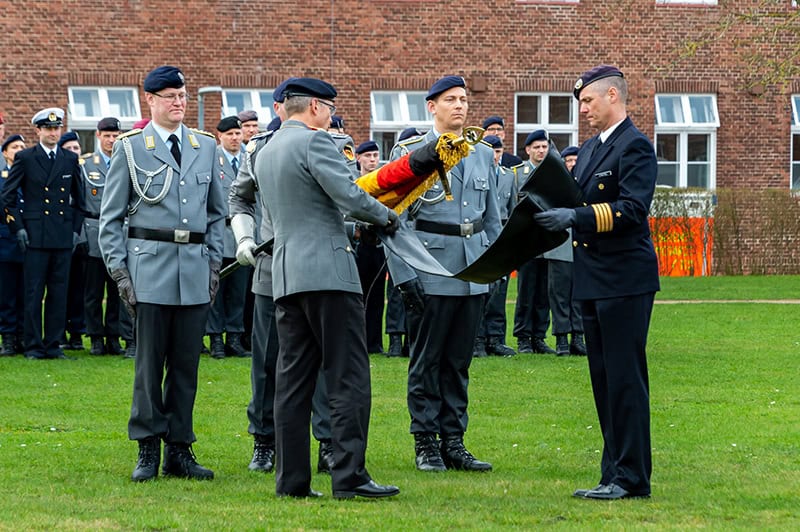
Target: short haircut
pixel 297 104
pixel 617 82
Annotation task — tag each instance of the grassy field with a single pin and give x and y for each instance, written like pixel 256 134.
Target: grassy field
pixel 725 425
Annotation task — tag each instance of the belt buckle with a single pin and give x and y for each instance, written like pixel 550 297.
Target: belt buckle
pixel 466 229
pixel 181 236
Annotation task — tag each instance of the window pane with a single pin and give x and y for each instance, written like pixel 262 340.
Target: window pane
pixel 796 111
pixel 796 176
pixel 697 175
pixel 521 146
pixel 561 140
pixel 796 161
pixel 85 102
pixel 121 103
pixel 528 110
pixel 702 108
pixel 667 147
pixel 560 110
pixel 670 109
pixel 697 148
pixel 387 107
pixel 265 98
pixel 386 141
pixel 417 108
pixel 236 101
pixel 667 174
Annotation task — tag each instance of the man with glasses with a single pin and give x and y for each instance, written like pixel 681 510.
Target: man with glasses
pixel 164 178
pixel 495 125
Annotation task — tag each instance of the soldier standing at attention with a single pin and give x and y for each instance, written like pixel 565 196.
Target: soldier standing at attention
pixel 163 178
pixel 50 179
pixel 12 288
pixel 443 313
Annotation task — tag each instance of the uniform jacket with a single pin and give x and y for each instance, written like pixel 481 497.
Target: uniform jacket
pixel 474 197
pixel 306 187
pixel 614 254
pixel 226 176
pixel 9 249
pixel 506 191
pixel 165 273
pixel 53 200
pixel 93 171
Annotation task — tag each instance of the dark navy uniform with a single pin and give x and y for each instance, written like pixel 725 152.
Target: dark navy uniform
pixel 12 287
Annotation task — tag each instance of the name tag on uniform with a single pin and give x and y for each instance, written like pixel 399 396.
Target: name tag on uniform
pixel 66 176
pixel 607 173
pixel 94 176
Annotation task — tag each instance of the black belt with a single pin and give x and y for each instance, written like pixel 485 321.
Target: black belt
pixel 227 222
pixel 92 216
pixel 465 229
pixel 181 236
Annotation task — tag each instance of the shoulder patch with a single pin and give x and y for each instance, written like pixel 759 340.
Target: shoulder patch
pixel 349 152
pixel 201 132
pixel 130 133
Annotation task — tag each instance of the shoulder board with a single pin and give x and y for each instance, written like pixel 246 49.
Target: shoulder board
pixel 484 142
pixel 412 140
pixel 201 132
pixel 337 135
pixel 262 135
pixel 503 169
pixel 87 155
pixel 518 166
pixel 130 133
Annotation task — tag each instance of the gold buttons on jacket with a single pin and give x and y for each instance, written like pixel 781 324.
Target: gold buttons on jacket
pixel 601 186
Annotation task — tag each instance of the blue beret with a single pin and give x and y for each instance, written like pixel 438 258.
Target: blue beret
pixel 443 84
pixel 164 77
pixel 109 123
pixel 274 124
pixel 594 74
pixel 493 120
pixel 247 115
pixel 309 87
pixel 494 141
pixel 279 94
pixel 337 122
pixel 12 138
pixel 50 117
pixel 228 123
pixel 407 133
pixel 66 137
pixel 539 134
pixel 369 145
pixel 569 150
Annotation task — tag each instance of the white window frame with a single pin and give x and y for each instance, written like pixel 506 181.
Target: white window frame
pixel 265 114
pixel 403 120
pixel 570 129
pixel 688 127
pixel 688 2
pixel 795 130
pixel 89 122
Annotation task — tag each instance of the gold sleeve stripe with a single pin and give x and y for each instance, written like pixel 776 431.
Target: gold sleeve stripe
pixel 603 217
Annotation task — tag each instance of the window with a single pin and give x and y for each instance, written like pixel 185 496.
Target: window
pixel 234 101
pixel 391 112
pixel 88 105
pixel 557 113
pixel 686 135
pixel 684 2
pixel 795 177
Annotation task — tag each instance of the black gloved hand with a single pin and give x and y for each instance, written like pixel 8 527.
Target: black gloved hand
pixel 213 282
pixel 413 295
pixel 22 240
pixel 125 288
pixel 555 219
pixel 393 224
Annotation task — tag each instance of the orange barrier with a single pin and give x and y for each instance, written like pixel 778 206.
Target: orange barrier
pixel 683 245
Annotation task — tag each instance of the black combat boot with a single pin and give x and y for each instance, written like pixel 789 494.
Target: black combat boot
pixel 456 456
pixel 577 347
pixel 147 463
pixel 540 347
pixel 263 455
pixel 7 348
pixel 325 457
pixel 498 348
pixel 429 457
pixel 479 349
pixel 234 347
pixel 524 344
pixel 130 348
pixel 180 461
pixel 562 345
pixel 97 348
pixel 217 346
pixel 112 345
pixel 75 342
pixel 395 345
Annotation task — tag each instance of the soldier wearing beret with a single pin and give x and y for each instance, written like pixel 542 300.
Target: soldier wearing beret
pixel 165 180
pixel 12 287
pixel 615 277
pixel 249 121
pixel 50 180
pixel 495 125
pixel 319 310
pixel 443 313
pixel 570 156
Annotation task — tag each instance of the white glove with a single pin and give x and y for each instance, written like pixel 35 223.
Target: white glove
pixel 244 252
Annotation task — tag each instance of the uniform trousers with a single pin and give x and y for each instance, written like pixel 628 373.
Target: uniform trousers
pixel 76 317
pixel 321 329
pixel 532 312
pixel 45 268
pixel 616 338
pixel 371 263
pixel 442 338
pixel 493 320
pixel 168 340
pixel 99 285
pixel 395 310
pixel 565 309
pixel 12 298
pixel 227 311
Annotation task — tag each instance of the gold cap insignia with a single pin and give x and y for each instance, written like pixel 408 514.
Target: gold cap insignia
pixel 52 117
pixel 579 83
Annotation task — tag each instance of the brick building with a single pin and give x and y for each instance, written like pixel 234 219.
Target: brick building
pixel 716 121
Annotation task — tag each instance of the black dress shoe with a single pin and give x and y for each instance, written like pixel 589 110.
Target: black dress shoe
pixel 312 494
pixel 179 461
pixel 325 457
pixel 370 490
pixel 583 492
pixel 612 492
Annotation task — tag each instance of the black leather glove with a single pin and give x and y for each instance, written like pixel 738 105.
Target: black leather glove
pixel 413 295
pixel 22 240
pixel 366 234
pixel 393 224
pixel 213 282
pixel 555 219
pixel 125 287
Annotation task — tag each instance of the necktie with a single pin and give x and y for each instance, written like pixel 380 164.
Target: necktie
pixel 596 147
pixel 175 149
pixel 235 165
pixel 52 156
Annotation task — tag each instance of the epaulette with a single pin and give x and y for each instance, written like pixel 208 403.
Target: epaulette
pixel 130 133
pixel 252 144
pixel 484 142
pixel 412 140
pixel 86 155
pixel 202 132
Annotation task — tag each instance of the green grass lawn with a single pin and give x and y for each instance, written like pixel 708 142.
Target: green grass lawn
pixel 725 426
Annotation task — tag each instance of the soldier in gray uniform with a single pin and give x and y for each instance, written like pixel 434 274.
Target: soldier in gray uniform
pixel 97 282
pixel 164 179
pixel 443 313
pixel 344 143
pixel 491 337
pixel 306 187
pixel 227 311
